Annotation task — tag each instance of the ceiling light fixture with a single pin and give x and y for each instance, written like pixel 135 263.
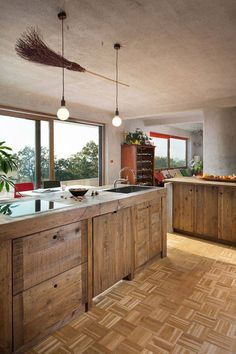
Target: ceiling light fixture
pixel 62 113
pixel 116 121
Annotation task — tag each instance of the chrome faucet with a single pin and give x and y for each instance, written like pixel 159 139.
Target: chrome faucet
pixel 124 180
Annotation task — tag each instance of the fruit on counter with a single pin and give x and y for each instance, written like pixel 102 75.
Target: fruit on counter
pixel 219 178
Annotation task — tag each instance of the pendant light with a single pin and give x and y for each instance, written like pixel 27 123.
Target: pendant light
pixel 62 113
pixel 116 121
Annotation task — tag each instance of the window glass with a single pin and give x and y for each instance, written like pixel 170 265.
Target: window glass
pixel 76 152
pixel 177 152
pixel 161 153
pixel 19 134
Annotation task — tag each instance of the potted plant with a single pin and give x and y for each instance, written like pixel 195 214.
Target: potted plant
pixel 137 137
pixel 7 164
pixel 196 166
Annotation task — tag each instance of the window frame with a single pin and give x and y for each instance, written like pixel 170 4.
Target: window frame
pixel 168 137
pixel 37 117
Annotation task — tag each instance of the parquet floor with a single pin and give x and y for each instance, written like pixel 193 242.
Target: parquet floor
pixel 185 303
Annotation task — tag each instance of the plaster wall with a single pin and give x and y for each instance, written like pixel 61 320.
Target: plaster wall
pixel 219 141
pixel 197 143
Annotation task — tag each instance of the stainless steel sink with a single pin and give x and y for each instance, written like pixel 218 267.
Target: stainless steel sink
pixel 128 189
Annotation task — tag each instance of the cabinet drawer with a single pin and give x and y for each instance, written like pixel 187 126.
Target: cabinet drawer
pixel 41 256
pixel 41 309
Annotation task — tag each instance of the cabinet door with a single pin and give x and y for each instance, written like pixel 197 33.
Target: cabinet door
pixel 183 207
pixel 112 237
pixel 206 211
pixel 227 214
pixel 155 229
pixel 42 308
pixel 142 234
pixel 42 256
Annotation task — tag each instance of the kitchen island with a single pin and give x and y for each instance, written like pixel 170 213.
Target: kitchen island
pixel 54 263
pixel 205 209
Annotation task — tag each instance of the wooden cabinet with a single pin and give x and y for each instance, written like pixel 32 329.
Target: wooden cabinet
pixel 227 214
pixel 112 246
pixel 49 280
pixel 183 207
pixel 142 234
pixel 206 211
pixel 140 158
pixel 42 308
pixel 148 231
pixel 41 256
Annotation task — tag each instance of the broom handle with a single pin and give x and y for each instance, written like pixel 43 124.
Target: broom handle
pixel 104 77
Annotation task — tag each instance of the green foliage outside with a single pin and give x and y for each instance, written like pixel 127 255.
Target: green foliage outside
pixel 7 164
pixel 83 164
pixel 162 163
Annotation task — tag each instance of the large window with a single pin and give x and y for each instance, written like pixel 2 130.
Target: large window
pixel 76 148
pixel 170 152
pixel 19 134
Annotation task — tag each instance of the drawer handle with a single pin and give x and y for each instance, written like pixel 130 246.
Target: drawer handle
pixel 58 236
pixel 55 285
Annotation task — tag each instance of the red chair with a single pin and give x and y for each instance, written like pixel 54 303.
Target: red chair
pixel 159 178
pixel 22 187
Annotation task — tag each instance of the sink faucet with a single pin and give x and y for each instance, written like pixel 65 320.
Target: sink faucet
pixel 124 180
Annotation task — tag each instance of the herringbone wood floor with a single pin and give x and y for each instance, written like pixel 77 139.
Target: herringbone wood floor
pixel 185 303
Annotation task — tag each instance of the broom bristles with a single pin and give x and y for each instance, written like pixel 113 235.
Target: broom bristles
pixel 32 48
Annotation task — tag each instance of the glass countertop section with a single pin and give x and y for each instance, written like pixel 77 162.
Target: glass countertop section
pixel 29 207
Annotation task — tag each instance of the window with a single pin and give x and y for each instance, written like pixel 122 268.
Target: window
pixel 19 134
pixel 77 150
pixel 170 152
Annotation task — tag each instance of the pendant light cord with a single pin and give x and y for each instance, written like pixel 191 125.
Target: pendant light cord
pixel 62 56
pixel 116 79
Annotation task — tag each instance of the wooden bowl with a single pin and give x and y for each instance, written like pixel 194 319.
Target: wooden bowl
pixel 78 192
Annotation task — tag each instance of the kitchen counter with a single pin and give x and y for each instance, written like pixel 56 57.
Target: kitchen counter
pixel 199 181
pixel 74 210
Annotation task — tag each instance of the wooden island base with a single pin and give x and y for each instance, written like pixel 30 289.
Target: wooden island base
pixel 53 265
pixel 204 209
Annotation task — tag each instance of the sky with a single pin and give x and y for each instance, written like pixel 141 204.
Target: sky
pixel 69 137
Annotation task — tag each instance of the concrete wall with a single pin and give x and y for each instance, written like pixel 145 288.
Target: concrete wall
pixel 219 150
pixel 197 143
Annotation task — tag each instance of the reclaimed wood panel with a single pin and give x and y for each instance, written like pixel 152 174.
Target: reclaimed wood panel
pixel 227 214
pixel 183 207
pixel 37 310
pixel 112 249
pixel 5 297
pixel 206 211
pixel 142 234
pixel 42 256
pixel 155 228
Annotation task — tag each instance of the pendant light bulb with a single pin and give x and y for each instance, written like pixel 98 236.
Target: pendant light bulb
pixel 117 121
pixel 62 113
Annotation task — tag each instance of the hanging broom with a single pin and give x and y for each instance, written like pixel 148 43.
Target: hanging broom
pixel 31 47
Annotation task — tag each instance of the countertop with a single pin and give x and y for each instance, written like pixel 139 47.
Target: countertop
pixel 195 180
pixel 74 211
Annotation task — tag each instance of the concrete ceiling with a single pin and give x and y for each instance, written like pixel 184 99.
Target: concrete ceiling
pixel 177 55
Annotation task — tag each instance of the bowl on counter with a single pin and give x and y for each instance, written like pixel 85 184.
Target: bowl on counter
pixel 78 192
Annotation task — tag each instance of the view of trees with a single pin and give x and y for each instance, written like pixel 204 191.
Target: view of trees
pixel 162 163
pixel 83 164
